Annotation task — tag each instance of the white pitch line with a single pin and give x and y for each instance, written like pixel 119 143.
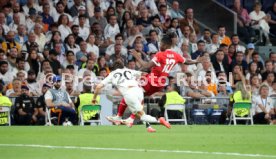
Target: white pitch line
pixel 137 150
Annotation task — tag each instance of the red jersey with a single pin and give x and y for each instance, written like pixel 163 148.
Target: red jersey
pixel 164 62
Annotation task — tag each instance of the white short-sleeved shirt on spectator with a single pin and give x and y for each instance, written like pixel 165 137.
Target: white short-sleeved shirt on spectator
pixel 267 103
pixel 240 48
pixel 84 32
pixel 110 50
pixel 94 49
pixel 111 31
pixel 64 31
pixel 48 95
pixel 7 77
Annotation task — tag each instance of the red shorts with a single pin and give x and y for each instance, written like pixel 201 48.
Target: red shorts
pixel 149 88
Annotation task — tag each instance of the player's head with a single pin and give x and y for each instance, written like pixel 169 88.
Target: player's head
pixel 166 42
pixel 117 65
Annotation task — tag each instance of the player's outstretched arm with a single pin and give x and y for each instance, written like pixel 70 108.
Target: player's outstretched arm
pixel 144 64
pixel 191 62
pixel 97 92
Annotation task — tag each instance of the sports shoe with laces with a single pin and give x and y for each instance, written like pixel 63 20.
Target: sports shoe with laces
pixel 151 130
pixel 128 122
pixel 164 122
pixel 116 120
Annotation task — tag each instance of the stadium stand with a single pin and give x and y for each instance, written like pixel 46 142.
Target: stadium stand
pixel 80 40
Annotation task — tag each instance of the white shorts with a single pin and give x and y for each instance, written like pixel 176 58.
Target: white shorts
pixel 134 97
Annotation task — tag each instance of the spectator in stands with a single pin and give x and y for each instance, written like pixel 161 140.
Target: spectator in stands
pixel 32 83
pixel 153 43
pixel 189 21
pixel 70 60
pixel 100 39
pixel 200 49
pixel 21 36
pixel 16 9
pixel 220 62
pixel 213 47
pixel 31 4
pixel 244 29
pixel 250 50
pixel 91 67
pixel 41 105
pixel 255 85
pixel 269 80
pixel 144 20
pixel 127 23
pixel 10 42
pixel 31 40
pixel 239 60
pixel 82 13
pixel 111 29
pixel 117 55
pixel 272 19
pixel 82 54
pixel 236 42
pixel 3 23
pixel 25 108
pixel 206 66
pixel 30 21
pixel 70 44
pixel 268 69
pixel 102 64
pixel 15 22
pixel 263 107
pixel 15 91
pixel 163 13
pixel 98 17
pixel 193 91
pixel 75 7
pixel 87 77
pixel 84 30
pixel 61 7
pixel 211 85
pixel 2 55
pixel 64 27
pixel 259 22
pixel 155 25
pixel 206 36
pixel 55 64
pixel 175 27
pixel 40 37
pixel 110 50
pixel 91 47
pixel 69 85
pixel 223 39
pixel 231 53
pixel 47 18
pixel 272 57
pixel 175 11
pixel 60 100
pixel 251 71
pixel 192 42
pixel 6 75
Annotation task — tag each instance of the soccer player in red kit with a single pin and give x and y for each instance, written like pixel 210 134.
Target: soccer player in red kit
pixel 161 64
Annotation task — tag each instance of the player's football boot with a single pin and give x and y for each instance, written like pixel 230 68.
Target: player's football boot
pixel 128 122
pixel 151 130
pixel 116 120
pixel 164 122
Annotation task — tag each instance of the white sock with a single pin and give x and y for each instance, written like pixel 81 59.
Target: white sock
pixel 148 118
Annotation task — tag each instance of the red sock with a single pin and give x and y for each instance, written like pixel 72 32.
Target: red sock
pixel 133 116
pixel 122 107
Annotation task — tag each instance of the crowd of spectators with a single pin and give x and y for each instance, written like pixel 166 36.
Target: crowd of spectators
pixel 83 39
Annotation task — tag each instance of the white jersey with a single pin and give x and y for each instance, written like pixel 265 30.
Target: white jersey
pixel 122 79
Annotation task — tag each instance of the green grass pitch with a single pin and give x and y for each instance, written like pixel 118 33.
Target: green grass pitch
pixel 120 142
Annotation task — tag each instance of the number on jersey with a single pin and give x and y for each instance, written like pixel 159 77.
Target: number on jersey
pixel 169 65
pixel 122 76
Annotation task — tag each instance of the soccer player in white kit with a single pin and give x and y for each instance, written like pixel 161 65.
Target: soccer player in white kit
pixel 126 82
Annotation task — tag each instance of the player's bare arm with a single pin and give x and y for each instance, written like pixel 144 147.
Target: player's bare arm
pixel 144 64
pixel 97 92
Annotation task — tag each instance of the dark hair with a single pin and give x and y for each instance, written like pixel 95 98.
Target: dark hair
pixel 69 52
pixel 167 38
pixel 60 19
pixel 223 45
pixel 152 31
pixel 200 41
pixel 118 35
pixel 117 65
pixel 3 63
pixel 221 26
pixel 255 53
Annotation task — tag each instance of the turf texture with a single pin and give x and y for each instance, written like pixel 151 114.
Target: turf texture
pixel 120 142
